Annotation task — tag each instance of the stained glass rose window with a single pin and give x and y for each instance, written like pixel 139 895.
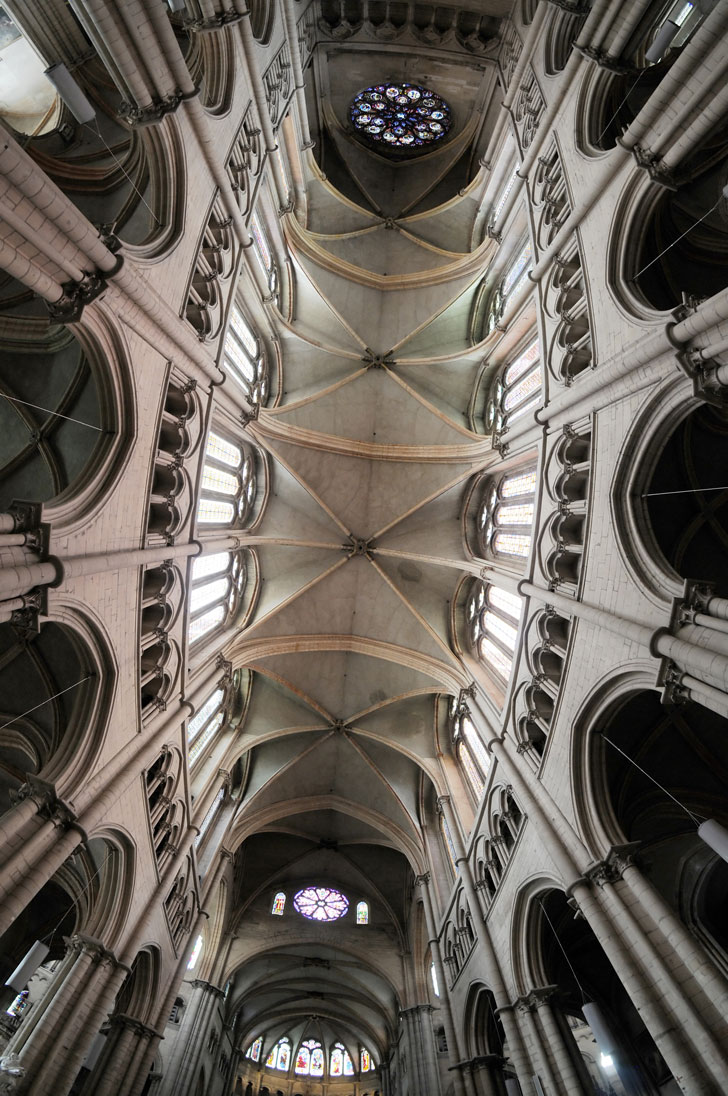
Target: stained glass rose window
pixel 321 903
pixel 400 115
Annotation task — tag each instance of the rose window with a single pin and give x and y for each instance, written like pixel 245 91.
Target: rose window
pixel 321 903
pixel 400 115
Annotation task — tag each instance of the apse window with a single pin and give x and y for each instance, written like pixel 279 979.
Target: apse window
pixel 340 1064
pixel 279 904
pixel 400 116
pixel 310 1058
pixel 280 1055
pixel 362 914
pixel 321 903
pixel 253 1051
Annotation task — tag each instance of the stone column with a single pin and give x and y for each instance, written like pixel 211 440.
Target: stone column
pixel 539 1052
pixel 571 1081
pixel 421 1049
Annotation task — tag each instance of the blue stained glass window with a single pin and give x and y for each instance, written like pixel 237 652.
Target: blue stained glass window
pixel 400 116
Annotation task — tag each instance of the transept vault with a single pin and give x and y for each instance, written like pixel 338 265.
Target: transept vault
pixel 363 674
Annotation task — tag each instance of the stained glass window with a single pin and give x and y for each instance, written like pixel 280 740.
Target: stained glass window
pixel 208 709
pixel 348 1065
pixel 310 1058
pixel 280 1055
pixel 254 1049
pixel 261 244
pixel 210 565
pixel 321 903
pixel 475 745
pixel 245 358
pixel 223 451
pixel 245 335
pixel 362 914
pixel 515 278
pixel 279 904
pixel 366 1061
pixel 400 116
pixel 505 518
pixel 336 1063
pixel 503 196
pixel 195 954
pixel 470 751
pixel 215 512
pixel 222 483
pixel 493 616
pixel 447 839
pixel 201 596
pixel 516 391
pixel 205 737
pixel 205 623
pixel 470 769
pixel 433 976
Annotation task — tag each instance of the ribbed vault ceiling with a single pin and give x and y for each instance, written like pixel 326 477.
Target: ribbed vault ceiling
pixel 361 552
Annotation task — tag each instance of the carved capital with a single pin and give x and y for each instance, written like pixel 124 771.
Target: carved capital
pixel 76 295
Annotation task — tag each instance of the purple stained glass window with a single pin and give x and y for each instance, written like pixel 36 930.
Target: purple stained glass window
pixel 321 903
pixel 400 116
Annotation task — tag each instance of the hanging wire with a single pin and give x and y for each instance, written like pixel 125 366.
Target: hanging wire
pixel 626 97
pixel 122 169
pixel 631 760
pixel 57 414
pixel 22 715
pixel 563 952
pixel 682 491
pixel 49 935
pixel 677 241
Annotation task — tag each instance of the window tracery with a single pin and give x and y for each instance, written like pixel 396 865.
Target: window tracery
pixel 513 281
pixel 310 1059
pixel 516 390
pixel 228 484
pixel 474 759
pixel 448 843
pixel 506 514
pixel 253 1051
pixel 245 359
pixel 400 115
pixel 205 724
pixel 265 258
pixel 280 1056
pixel 365 1061
pixel 321 903
pixel 493 616
pixel 340 1063
pixel 217 586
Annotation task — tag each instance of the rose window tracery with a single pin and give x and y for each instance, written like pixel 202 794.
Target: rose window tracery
pixel 400 115
pixel 321 903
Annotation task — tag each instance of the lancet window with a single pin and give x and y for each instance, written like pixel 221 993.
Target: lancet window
pixel 253 1051
pixel 435 983
pixel 279 904
pixel 505 518
pixel 205 724
pixel 195 955
pixel 448 843
pixel 365 1061
pixel 515 278
pixel 502 198
pixel 280 1056
pixel 340 1063
pixel 362 913
pixel 310 1058
pixel 228 485
pixel 217 586
pixel 493 616
pixel 265 255
pixel 516 391
pixel 469 749
pixel 245 359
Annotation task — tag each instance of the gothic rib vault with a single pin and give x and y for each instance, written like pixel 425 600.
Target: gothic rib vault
pixel 361 553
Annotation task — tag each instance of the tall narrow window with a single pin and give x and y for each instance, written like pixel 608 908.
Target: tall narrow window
pixel 493 616
pixel 517 390
pixel 362 913
pixel 205 724
pixel 244 358
pixel 503 197
pixel 217 586
pixel 506 515
pixel 365 1061
pixel 280 1056
pixel 433 976
pixel 228 485
pixel 448 843
pixel 265 255
pixel 279 904
pixel 310 1058
pixel 195 954
pixel 515 278
pixel 253 1051
pixel 340 1064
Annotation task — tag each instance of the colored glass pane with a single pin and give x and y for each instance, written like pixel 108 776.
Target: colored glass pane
pixel 205 595
pixel 348 1065
pixel 500 628
pixel 366 1061
pixel 244 333
pixel 207 735
pixel 493 656
pixel 279 904
pixel 362 914
pixel 523 390
pixel 261 245
pixel 516 271
pixel 208 708
pixel 515 514
pixel 303 1060
pixel 222 450
pixel 447 837
pixel 205 623
pixel 336 1065
pixel 519 483
pixel 477 748
pixel 317 1062
pixel 214 479
pixel 321 903
pixel 215 512
pixel 271 1059
pixel 195 953
pixel 512 544
pixel 510 604
pixel 469 768
pixel 521 364
pixel 504 196
pixel 400 116
pixel 210 565
pixel 284 1055
pixel 254 1049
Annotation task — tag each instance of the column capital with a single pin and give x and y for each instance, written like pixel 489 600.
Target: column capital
pixel 422 880
pixel 612 867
